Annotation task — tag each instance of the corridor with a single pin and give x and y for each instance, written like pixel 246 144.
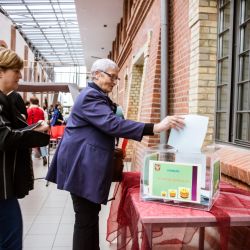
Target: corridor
pixel 48 217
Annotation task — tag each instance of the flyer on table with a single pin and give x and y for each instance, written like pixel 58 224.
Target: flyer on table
pixel 175 181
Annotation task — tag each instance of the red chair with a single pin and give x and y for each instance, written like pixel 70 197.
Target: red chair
pixel 124 145
pixel 56 133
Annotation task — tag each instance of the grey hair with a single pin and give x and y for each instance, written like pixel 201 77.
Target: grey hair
pixel 103 65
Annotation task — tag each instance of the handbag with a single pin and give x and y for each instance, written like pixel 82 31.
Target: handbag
pixel 118 165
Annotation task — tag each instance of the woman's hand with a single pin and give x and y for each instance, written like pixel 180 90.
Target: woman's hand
pixel 174 121
pixel 43 127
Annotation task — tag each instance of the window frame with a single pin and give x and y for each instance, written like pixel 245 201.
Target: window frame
pixel 233 75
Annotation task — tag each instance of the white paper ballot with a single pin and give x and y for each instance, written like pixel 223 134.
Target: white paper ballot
pixel 191 137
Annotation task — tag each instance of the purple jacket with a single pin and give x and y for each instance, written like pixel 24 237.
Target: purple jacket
pixel 82 163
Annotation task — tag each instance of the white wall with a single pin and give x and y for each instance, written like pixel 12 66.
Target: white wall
pixel 5 34
pixel 5 25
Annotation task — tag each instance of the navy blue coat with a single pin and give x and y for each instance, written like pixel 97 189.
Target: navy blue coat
pixel 82 163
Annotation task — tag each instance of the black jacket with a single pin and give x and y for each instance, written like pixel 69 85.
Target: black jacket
pixel 16 172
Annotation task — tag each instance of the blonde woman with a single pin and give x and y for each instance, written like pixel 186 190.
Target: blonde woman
pixel 16 139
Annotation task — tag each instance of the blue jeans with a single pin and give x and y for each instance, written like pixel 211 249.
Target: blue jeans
pixel 11 225
pixel 43 151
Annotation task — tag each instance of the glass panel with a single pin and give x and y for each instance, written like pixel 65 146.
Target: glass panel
pixel 65 7
pixel 222 97
pixel 13 7
pixel 226 17
pixel 243 94
pixel 221 122
pixel 40 7
pixel 21 17
pixel 247 7
pixel 246 45
pixel 242 133
pixel 244 69
pixel 53 18
pixel 225 43
pixel 224 72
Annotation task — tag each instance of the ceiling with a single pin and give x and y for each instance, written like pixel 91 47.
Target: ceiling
pixel 51 27
pixel 92 15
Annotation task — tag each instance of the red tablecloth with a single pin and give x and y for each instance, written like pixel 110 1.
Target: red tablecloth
pixel 127 211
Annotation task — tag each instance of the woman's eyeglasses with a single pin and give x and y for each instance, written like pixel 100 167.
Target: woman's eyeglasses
pixel 112 77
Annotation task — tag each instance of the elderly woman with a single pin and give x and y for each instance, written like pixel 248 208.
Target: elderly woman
pixel 16 139
pixel 82 164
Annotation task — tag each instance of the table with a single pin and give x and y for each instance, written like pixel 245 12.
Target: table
pixel 132 218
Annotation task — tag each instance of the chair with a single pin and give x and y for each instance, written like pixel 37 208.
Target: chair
pixel 56 133
pixel 124 145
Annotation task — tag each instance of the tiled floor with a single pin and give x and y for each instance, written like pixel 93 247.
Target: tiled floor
pixel 48 217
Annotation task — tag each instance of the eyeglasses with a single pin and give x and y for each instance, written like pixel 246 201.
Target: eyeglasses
pixel 112 77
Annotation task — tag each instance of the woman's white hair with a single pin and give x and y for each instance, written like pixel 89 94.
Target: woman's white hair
pixel 103 65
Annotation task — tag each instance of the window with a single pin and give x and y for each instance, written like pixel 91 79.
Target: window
pixel 233 73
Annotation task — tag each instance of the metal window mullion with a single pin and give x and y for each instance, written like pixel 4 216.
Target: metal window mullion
pixel 244 52
pixel 218 78
pixel 248 97
pixel 248 127
pixel 223 32
pixel 221 85
pixel 242 11
pixel 221 18
pixel 221 59
pixel 237 78
pixel 248 101
pixel 230 73
pixel 245 22
pixel 222 6
pixel 243 111
pixel 220 48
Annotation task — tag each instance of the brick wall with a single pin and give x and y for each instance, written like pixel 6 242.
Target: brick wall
pixel 192 72
pixel 140 47
pixel 133 104
pixel 135 87
pixel 179 57
pixel 149 33
pixel 203 27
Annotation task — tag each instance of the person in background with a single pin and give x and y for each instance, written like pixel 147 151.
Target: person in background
pixel 50 112
pixel 57 117
pixel 66 117
pixel 82 163
pixel 35 113
pixel 3 44
pixel 45 109
pixel 27 105
pixel 16 139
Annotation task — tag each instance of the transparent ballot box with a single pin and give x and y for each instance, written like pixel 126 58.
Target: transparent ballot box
pixel 187 179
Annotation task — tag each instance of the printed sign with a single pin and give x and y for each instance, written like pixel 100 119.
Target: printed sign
pixel 215 177
pixel 175 181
